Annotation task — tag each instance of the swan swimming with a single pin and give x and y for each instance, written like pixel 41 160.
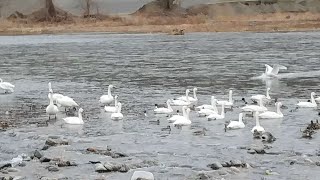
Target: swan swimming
pixel 112 108
pixel 176 102
pixel 51 108
pixel 6 86
pixel 167 110
pixel 117 115
pixel 257 126
pixel 311 104
pixel 66 102
pixel 255 98
pixel 207 112
pixel 175 117
pixel 252 108
pixel 272 72
pixel 75 120
pixel 191 99
pixel 228 103
pixel 272 115
pixel 236 124
pixel 107 99
pixel 207 106
pixel 217 116
pixel 185 120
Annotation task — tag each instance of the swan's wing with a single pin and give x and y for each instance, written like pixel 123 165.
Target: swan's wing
pixel 268 68
pixel 276 69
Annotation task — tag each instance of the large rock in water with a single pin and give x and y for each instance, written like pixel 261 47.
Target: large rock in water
pixel 142 175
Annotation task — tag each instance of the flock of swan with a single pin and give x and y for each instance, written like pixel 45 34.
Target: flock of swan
pixel 185 103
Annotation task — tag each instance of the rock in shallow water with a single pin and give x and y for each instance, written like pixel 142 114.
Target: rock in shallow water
pixel 142 175
pixel 52 168
pixel 100 168
pixel 12 170
pixel 215 165
pixel 45 159
pixel 56 142
pixel 236 163
pixel 37 154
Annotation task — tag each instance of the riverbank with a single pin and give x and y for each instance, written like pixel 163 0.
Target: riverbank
pixel 136 24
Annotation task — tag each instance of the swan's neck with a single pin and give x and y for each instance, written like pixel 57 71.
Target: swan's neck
pixel 187 96
pixel 230 96
pixel 222 110
pixel 115 101
pixel 184 113
pixel 169 106
pixel 109 91
pixel 257 120
pixel 1 80
pixel 119 109
pixel 278 109
pixel 80 116
pixel 187 115
pixel 240 118
pixel 51 99
pixel 268 96
pixel 313 100
pixel 50 86
pixel 195 94
pixel 261 102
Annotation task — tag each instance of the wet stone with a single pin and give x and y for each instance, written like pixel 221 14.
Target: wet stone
pixel 222 172
pixel 142 175
pixel 318 163
pixel 100 168
pixel 251 151
pixel 62 163
pixel 52 168
pixel 234 169
pixel 215 165
pixel 4 171
pixel 236 163
pixel 37 154
pixel 5 165
pixel 45 159
pixel 45 147
pixel 108 166
pixel 124 168
pixel 12 170
pixel 56 142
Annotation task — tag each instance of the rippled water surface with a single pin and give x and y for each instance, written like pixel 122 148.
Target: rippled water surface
pixel 148 69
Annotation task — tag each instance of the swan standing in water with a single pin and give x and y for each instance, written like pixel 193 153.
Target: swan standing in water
pixel 272 115
pixel 207 106
pixel 236 124
pixel 183 121
pixel 253 108
pixel 272 72
pixel 257 126
pixel 256 98
pixel 311 104
pixel 6 86
pixel 191 99
pixel 228 103
pixel 167 110
pixel 117 115
pixel 107 99
pixel 217 116
pixel 112 109
pixel 75 120
pixel 207 112
pixel 51 108
pixel 176 102
pixel 55 96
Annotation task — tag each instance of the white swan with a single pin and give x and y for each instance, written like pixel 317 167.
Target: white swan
pixel 66 102
pixel 75 120
pixel 256 98
pixel 183 121
pixel 51 108
pixel 257 126
pixel 112 108
pixel 8 87
pixel 176 102
pixel 178 116
pixel 163 110
pixel 272 115
pixel 217 116
pixel 228 103
pixel 55 96
pixel 107 99
pixel 236 124
pixel 272 72
pixel 191 99
pixel 311 104
pixel 207 112
pixel 252 108
pixel 117 115
pixel 207 106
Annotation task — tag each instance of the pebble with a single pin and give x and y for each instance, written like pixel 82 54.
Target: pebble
pixel 56 142
pixel 37 154
pixel 45 159
pixel 100 168
pixel 215 165
pixel 12 170
pixel 318 163
pixel 52 168
pixel 124 168
pixel 236 163
pixel 234 169
pixel 5 165
pixel 145 175
pixel 108 166
pixel 251 151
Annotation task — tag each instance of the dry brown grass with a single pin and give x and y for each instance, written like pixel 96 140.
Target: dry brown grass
pixel 200 23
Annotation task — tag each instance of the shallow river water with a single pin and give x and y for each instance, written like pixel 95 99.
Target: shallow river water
pixel 147 69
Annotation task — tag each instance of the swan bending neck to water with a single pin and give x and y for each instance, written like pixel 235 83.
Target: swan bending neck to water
pixel 107 99
pixel 257 127
pixel 6 86
pixel 272 115
pixel 75 120
pixel 178 116
pixel 51 108
pixel 237 124
pixel 311 104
